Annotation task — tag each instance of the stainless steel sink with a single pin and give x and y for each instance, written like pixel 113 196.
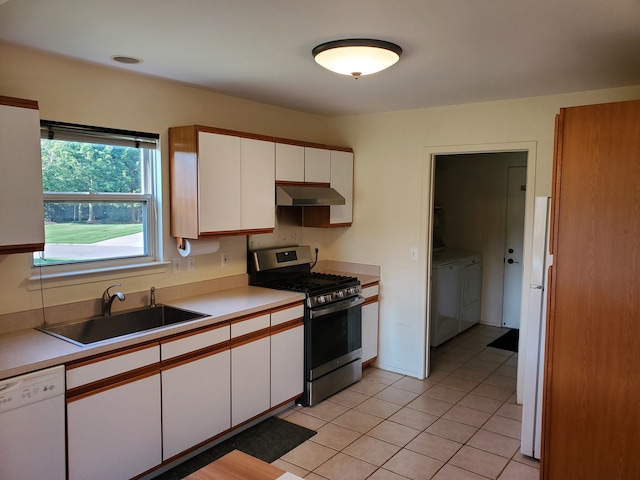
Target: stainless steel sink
pixel 117 325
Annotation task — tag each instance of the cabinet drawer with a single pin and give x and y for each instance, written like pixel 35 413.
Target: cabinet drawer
pixel 193 342
pixel 286 314
pixel 370 291
pixel 249 325
pixel 117 363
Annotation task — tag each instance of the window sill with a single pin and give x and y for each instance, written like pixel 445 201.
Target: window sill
pixel 39 280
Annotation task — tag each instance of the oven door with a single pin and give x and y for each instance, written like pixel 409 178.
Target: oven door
pixel 333 336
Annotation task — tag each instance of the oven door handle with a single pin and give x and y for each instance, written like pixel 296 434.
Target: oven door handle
pixel 337 307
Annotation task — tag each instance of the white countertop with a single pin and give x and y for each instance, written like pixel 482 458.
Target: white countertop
pixel 29 350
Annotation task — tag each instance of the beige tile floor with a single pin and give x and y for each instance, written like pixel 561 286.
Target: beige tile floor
pixel 461 423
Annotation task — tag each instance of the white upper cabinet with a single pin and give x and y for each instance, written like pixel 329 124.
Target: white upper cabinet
pixel 257 177
pixel 295 163
pixel 317 165
pixel 342 181
pixel 221 184
pixel 219 180
pixel 22 215
pixel 289 163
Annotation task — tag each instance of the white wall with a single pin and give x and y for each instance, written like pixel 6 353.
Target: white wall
pixel 392 188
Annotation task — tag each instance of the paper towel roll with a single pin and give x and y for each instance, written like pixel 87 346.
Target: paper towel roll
pixel 199 247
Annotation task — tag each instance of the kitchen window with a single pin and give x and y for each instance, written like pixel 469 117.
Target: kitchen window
pixel 101 198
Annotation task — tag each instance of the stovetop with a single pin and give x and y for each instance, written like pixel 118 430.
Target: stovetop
pixel 289 268
pixel 311 283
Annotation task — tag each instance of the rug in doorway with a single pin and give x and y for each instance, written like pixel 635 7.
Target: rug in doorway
pixel 268 441
pixel 508 341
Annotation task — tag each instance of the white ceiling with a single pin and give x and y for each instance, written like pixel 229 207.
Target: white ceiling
pixel 455 51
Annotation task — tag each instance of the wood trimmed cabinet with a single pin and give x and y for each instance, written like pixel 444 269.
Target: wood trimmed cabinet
pixel 150 404
pixel 287 354
pixel 114 414
pixel 22 215
pixel 221 183
pixel 370 323
pixel 590 409
pixel 250 368
pixel 196 388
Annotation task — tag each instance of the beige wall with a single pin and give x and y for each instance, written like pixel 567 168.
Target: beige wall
pixel 393 190
pixel 76 92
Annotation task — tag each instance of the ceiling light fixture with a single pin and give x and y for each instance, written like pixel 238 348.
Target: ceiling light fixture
pixel 126 59
pixel 357 56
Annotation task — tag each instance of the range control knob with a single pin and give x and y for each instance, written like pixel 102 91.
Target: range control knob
pixel 340 294
pixel 320 299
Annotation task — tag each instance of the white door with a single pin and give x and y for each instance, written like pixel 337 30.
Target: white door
pixel 516 192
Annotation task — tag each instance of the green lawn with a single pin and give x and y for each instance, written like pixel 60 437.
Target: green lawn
pixel 86 233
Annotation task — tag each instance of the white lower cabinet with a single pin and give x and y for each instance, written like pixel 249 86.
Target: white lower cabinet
pixel 370 320
pixel 196 391
pixel 250 380
pixel 115 433
pixel 129 411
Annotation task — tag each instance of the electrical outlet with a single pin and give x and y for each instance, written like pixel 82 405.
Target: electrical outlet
pixel 191 264
pixel 224 259
pixel 176 265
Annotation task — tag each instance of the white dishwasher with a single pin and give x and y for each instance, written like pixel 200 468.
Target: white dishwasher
pixel 32 426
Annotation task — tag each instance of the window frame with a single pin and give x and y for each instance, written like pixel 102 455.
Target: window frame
pixel 151 195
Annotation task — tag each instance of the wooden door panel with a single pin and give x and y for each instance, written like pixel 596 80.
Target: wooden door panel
pixel 593 379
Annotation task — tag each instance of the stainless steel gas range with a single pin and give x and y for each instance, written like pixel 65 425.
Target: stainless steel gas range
pixel 332 320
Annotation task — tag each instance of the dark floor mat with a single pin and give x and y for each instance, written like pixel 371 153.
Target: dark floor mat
pixel 268 441
pixel 508 341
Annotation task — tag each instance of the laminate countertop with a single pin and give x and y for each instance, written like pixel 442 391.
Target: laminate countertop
pixel 29 350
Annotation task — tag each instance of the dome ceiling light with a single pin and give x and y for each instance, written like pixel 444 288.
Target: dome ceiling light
pixel 126 59
pixel 357 56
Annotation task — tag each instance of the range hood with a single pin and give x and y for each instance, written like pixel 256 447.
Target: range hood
pixel 301 195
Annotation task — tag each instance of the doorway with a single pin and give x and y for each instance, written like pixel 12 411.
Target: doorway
pixel 471 192
pixel 475 229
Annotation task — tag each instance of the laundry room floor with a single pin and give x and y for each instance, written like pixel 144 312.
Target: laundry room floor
pixel 461 423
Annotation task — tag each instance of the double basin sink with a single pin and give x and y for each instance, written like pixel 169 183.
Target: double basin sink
pixel 99 329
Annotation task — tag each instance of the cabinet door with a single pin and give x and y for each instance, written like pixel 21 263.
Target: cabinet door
pixel 445 303
pixel 258 178
pixel 289 163
pixel 219 180
pixel 250 380
pixel 342 181
pixel 317 165
pixel 471 294
pixel 22 214
pixel 287 365
pixel 196 402
pixel 115 433
pixel 370 314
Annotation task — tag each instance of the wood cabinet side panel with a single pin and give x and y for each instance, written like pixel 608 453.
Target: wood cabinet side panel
pixel 592 390
pixel 183 172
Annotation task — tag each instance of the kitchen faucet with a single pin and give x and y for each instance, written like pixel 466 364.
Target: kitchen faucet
pixel 108 299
